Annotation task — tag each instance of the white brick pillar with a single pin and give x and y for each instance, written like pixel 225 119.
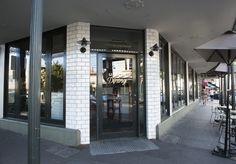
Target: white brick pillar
pixel 170 79
pixel 77 81
pixel 187 84
pixel 194 86
pixel 2 64
pixel 153 109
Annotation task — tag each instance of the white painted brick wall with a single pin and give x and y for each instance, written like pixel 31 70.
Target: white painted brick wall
pixel 77 81
pixel 2 60
pixel 170 79
pixel 153 109
pixel 187 83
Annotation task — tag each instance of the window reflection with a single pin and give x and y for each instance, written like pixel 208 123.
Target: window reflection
pixel 93 90
pixel 141 95
pixel 163 72
pixel 51 77
pixel 178 82
pixel 57 85
pixel 117 91
pixel 14 55
pixel 191 83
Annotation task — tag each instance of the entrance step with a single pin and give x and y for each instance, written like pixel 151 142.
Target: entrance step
pixel 121 145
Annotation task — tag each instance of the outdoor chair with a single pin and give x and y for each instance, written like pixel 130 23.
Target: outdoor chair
pixel 231 130
pixel 216 116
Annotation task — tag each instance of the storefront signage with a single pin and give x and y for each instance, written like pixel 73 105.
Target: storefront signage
pixel 111 80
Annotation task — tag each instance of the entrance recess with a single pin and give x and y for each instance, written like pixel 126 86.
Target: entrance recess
pixel 116 95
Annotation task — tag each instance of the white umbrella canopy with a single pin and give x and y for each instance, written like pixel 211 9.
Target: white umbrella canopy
pixel 222 67
pixel 221 49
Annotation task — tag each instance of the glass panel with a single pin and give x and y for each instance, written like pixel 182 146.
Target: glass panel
pixel 24 83
pixel 190 75
pixel 141 95
pixel 13 76
pixel 93 91
pixel 57 86
pixel 117 91
pixel 51 78
pixel 43 88
pixel 164 111
pixel 178 82
pixel 174 81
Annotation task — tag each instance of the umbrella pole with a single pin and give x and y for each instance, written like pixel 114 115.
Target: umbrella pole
pixel 226 151
pixel 233 102
pixel 225 90
pixel 221 90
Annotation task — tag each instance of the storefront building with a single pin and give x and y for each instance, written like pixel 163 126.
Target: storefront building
pixel 108 87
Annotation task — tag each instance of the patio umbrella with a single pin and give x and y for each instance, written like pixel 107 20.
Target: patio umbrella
pixel 222 49
pixel 222 68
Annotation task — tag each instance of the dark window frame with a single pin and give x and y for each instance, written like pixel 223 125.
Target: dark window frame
pixel 182 71
pixel 139 51
pixel 164 67
pixel 24 42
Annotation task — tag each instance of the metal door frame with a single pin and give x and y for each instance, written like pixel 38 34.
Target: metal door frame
pixel 134 131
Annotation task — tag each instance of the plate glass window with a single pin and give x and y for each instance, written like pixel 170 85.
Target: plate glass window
pixel 52 78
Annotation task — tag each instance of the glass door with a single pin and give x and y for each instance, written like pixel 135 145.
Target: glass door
pixel 116 95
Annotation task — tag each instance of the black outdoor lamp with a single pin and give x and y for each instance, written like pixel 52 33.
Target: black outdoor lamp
pixel 154 48
pixel 83 43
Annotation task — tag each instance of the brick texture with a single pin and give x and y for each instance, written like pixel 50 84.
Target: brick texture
pixel 77 81
pixel 152 84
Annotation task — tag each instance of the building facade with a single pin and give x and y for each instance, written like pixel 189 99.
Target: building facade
pixel 96 83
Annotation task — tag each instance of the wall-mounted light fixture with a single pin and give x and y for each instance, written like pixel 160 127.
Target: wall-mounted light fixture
pixel 154 48
pixel 83 43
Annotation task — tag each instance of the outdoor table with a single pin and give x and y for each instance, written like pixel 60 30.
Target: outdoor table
pixel 225 107
pixel 233 117
pixel 233 112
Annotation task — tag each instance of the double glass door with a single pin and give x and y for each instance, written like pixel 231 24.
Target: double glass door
pixel 116 95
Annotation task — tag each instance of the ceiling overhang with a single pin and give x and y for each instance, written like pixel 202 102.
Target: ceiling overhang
pixel 186 24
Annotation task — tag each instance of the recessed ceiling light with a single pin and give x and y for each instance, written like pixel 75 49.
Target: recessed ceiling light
pixel 134 4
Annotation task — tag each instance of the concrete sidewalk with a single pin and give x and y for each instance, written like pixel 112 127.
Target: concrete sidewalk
pixel 190 141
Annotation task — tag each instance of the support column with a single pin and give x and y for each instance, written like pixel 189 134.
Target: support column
pixel 170 80
pixel 221 90
pixel 2 68
pixel 225 89
pixel 153 108
pixel 77 81
pixel 34 84
pixel 197 86
pixel 187 84
pixel 194 85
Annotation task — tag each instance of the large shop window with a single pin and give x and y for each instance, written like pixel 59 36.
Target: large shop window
pixel 52 79
pixel 191 84
pixel 164 79
pixel 178 80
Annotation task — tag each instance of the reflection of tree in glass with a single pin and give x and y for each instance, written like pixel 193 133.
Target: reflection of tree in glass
pixel 57 77
pixel 92 88
pixel 43 78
